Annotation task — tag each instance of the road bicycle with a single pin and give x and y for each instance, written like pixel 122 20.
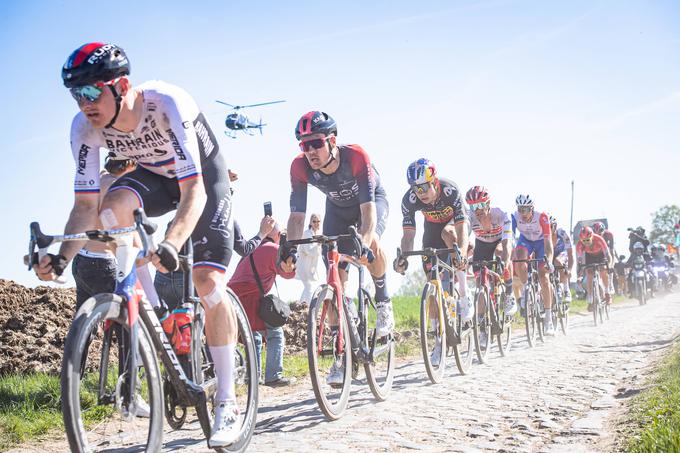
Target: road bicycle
pixel 110 402
pixel 600 306
pixel 533 302
pixel 333 320
pixel 560 309
pixel 442 331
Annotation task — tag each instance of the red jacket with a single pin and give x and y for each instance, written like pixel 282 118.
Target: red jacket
pixel 243 281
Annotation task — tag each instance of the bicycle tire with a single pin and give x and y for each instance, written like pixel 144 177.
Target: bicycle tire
pixel 379 377
pixel 332 410
pixel 596 299
pixel 245 371
pixel 484 326
pixel 96 310
pixel 435 373
pixel 464 346
pixel 540 320
pixel 530 317
pixel 504 337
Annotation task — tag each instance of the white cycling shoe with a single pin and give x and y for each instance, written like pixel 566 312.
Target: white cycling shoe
pixel 436 355
pixel 225 429
pixel 143 409
pixel 510 306
pixel 385 322
pixel 467 309
pixel 336 375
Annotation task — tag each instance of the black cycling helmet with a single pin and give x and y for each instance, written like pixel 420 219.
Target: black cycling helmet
pixel 94 62
pixel 315 122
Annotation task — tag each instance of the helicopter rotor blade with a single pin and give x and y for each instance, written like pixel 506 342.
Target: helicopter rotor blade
pixel 227 104
pixel 261 103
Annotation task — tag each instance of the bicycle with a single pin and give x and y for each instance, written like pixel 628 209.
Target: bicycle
pixel 440 325
pixel 111 401
pixel 332 320
pixel 533 305
pixel 560 311
pixel 600 307
pixel 493 323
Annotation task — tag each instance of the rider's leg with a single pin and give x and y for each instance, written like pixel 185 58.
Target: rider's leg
pixel 604 276
pixel 589 286
pixel 220 326
pixel 546 293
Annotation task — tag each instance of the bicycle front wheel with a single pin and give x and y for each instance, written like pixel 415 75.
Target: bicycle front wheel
pixel 463 342
pixel 504 324
pixel 433 333
pixel 329 356
pixel 94 390
pixel 379 372
pixel 482 324
pixel 530 321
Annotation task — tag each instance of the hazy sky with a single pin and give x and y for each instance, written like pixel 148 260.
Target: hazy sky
pixel 520 96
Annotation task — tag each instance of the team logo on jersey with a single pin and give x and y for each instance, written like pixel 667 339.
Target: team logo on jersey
pixel 316 175
pixel 82 158
pixel 448 190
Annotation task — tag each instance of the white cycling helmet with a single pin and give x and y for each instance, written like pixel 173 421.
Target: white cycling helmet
pixel 524 200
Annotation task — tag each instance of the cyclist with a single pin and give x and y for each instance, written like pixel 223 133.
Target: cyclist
pixel 601 229
pixel 564 256
pixel 492 228
pixel 535 238
pixel 592 249
pixel 178 160
pixel 446 224
pixel 354 196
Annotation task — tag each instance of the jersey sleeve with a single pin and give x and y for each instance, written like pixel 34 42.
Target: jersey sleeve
pixel 602 244
pixel 507 226
pixel 408 210
pixel 459 212
pixel 567 240
pixel 298 185
pixel 85 150
pixel 364 173
pixel 579 248
pixel 514 224
pixel 183 126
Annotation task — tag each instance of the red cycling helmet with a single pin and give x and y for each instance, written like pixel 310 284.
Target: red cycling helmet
pixel 586 234
pixel 315 122
pixel 598 227
pixel 477 194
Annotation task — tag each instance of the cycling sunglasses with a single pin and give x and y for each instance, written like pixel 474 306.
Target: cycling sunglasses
pixel 316 143
pixel 587 241
pixel 90 92
pixel 476 206
pixel 525 209
pixel 421 188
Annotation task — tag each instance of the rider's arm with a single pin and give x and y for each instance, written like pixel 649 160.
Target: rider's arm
pixel 544 222
pixel 83 217
pixel 407 239
pixel 296 225
pixel 506 239
pixel 191 203
pixel 570 259
pixel 298 198
pixel 368 222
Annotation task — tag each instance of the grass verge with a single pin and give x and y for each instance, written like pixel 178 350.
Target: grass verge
pixel 655 413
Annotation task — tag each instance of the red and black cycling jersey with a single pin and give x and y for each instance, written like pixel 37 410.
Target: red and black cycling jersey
pixel 448 208
pixel 355 182
pixel 597 246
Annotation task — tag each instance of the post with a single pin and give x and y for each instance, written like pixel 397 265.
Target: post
pixel 571 216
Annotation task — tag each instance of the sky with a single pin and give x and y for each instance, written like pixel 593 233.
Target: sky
pixel 519 96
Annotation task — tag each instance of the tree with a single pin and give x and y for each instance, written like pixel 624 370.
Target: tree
pixel 663 224
pixel 413 283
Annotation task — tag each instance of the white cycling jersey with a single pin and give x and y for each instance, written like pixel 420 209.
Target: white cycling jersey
pixel 171 139
pixel 535 229
pixel 501 227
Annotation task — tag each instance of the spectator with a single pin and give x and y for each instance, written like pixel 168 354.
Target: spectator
pixel 245 286
pixel 308 259
pixel 620 269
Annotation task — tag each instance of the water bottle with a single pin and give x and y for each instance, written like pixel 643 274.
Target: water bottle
pixel 166 318
pixel 181 339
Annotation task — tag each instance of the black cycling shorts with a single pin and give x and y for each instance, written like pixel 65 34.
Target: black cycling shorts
pixel 432 238
pixel 213 236
pixel 484 251
pixel 337 221
pixel 595 258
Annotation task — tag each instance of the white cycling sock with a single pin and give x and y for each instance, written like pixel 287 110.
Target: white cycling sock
pixel 223 358
pixel 462 283
pixel 565 287
pixel 144 277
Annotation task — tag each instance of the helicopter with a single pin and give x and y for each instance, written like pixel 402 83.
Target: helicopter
pixel 237 121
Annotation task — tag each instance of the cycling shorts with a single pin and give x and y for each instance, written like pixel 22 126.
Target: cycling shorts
pixel 595 258
pixel 536 247
pixel 485 251
pixel 432 237
pixel 337 220
pixel 213 236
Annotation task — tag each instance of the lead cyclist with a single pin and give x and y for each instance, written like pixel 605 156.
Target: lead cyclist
pixel 178 161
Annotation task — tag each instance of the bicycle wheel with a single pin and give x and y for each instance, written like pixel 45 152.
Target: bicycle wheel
pixel 93 407
pixel 244 371
pixel 482 324
pixel 461 340
pixel 563 315
pixel 380 372
pixel 538 310
pixel 504 323
pixel 530 321
pixel 432 333
pixel 330 360
pixel 596 301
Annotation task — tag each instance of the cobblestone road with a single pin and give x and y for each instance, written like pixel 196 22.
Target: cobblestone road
pixel 558 396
